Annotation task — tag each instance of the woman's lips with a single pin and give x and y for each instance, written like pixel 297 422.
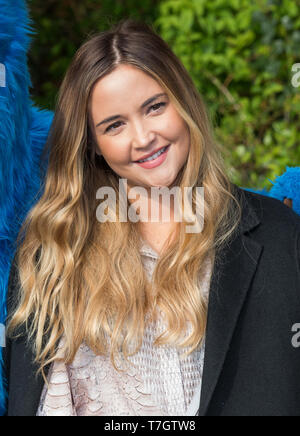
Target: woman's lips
pixel 154 152
pixel 155 162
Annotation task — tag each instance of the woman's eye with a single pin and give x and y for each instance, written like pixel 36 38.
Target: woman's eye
pixel 116 124
pixel 158 105
pixel 112 126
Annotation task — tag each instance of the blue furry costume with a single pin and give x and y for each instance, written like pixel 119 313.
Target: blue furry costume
pixel 23 132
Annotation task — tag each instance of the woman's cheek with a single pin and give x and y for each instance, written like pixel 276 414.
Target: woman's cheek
pixel 118 155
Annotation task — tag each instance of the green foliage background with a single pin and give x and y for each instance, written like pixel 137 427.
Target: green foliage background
pixel 239 53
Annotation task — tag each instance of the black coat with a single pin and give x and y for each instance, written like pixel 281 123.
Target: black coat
pixel 252 359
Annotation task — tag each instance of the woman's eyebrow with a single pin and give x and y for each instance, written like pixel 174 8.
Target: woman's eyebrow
pixel 148 101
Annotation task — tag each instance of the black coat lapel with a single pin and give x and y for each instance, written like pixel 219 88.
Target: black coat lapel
pixel 233 272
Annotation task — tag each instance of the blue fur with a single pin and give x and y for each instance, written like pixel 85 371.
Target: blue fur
pixel 288 185
pixel 24 129
pixel 285 186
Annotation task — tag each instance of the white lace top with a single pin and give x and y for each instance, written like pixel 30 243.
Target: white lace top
pixel 161 383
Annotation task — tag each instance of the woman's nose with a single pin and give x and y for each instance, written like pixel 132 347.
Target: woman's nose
pixel 142 135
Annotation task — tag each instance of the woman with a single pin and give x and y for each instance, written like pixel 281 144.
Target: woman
pixel 126 317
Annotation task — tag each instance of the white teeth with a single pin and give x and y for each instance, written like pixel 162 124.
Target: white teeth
pixel 154 156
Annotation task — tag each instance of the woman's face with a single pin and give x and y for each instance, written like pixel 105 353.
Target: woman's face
pixel 139 127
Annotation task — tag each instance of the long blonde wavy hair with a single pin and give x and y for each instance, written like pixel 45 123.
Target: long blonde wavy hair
pixel 83 280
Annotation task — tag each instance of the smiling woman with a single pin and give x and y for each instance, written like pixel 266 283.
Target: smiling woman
pixel 147 123
pixel 126 318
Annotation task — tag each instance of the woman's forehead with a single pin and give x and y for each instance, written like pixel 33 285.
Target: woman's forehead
pixel 123 81
pixel 123 89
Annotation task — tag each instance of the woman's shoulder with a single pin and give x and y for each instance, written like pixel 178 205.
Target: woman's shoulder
pixel 271 224
pixel 270 211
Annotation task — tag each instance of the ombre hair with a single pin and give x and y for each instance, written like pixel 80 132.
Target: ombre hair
pixel 83 280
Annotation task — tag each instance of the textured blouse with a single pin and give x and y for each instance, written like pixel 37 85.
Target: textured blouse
pixel 161 383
